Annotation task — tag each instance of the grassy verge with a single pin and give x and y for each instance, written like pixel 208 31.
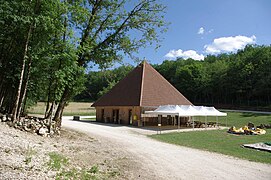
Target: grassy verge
pixel 73 108
pixel 240 119
pixel 222 142
pixel 57 161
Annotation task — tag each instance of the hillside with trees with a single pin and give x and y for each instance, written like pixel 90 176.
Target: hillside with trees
pixel 241 79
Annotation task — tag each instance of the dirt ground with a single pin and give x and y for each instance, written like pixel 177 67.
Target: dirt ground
pixel 26 156
pixel 118 152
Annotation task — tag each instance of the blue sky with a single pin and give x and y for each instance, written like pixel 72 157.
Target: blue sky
pixel 201 27
pixel 218 18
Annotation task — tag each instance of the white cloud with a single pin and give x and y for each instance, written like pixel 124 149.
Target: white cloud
pixel 201 30
pixel 173 54
pixel 229 44
pixel 210 31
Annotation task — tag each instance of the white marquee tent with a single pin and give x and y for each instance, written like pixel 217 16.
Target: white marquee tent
pixel 187 111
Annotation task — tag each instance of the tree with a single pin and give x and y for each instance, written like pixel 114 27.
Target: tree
pixel 110 28
pixel 33 27
pixel 17 105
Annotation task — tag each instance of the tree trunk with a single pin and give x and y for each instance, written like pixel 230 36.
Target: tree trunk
pixel 1 102
pixel 58 115
pixel 50 117
pixel 24 104
pixel 2 96
pixel 47 111
pixel 25 86
pixel 16 105
pixel 47 108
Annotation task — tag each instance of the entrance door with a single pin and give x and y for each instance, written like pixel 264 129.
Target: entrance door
pixel 130 120
pixel 116 116
pixel 102 115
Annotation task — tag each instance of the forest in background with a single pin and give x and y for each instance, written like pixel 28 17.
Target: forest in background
pixel 236 80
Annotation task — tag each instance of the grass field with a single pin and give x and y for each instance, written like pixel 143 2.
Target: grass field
pixel 222 142
pixel 239 119
pixel 73 108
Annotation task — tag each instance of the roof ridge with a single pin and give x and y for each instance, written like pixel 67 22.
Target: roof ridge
pixel 142 82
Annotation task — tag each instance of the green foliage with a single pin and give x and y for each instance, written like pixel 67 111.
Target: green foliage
pixel 18 17
pixel 94 169
pixel 99 83
pixel 228 80
pixel 106 89
pixel 107 28
pixel 64 170
pixel 57 161
pixel 86 174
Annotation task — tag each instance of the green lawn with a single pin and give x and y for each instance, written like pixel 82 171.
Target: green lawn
pixel 239 119
pixel 222 142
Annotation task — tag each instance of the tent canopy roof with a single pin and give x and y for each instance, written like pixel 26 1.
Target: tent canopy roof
pixel 186 110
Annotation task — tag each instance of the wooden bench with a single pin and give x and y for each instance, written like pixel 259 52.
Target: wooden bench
pixel 76 118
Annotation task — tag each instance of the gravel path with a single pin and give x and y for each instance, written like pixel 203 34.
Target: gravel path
pixel 26 156
pixel 158 160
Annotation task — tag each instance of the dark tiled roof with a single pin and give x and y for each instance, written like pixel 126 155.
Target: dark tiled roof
pixel 143 86
pixel 158 91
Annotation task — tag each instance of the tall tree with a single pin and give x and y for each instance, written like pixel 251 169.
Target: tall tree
pixel 32 28
pixel 109 29
pixel 32 25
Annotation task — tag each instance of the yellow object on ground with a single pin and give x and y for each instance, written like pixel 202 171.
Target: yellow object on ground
pixel 246 130
pixel 259 131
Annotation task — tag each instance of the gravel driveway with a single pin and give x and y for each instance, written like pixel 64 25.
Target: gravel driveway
pixel 158 160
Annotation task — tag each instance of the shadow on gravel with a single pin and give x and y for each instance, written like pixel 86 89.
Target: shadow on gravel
pixel 150 128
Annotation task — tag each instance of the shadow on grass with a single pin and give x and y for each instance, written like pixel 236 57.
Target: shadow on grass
pixel 248 114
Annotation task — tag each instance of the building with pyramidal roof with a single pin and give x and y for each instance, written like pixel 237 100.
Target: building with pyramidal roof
pixel 143 89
